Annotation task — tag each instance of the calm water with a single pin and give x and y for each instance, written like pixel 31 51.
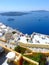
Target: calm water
pixel 33 22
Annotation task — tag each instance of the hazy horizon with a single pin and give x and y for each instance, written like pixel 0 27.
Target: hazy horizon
pixel 23 5
pixel 23 11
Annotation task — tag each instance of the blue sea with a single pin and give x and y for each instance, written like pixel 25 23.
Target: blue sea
pixel 29 23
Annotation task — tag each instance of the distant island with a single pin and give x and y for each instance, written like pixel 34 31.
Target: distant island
pixel 13 13
pixel 10 19
pixel 40 11
pixel 22 13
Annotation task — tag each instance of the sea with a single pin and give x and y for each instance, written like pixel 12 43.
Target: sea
pixel 33 22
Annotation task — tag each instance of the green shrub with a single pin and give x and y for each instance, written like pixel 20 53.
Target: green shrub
pixel 20 49
pixel 27 63
pixel 39 58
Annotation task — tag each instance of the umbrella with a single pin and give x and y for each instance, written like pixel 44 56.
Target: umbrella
pixel 11 56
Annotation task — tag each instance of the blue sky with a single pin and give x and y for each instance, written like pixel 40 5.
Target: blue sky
pixel 23 5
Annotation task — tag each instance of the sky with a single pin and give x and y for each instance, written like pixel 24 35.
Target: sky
pixel 23 5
